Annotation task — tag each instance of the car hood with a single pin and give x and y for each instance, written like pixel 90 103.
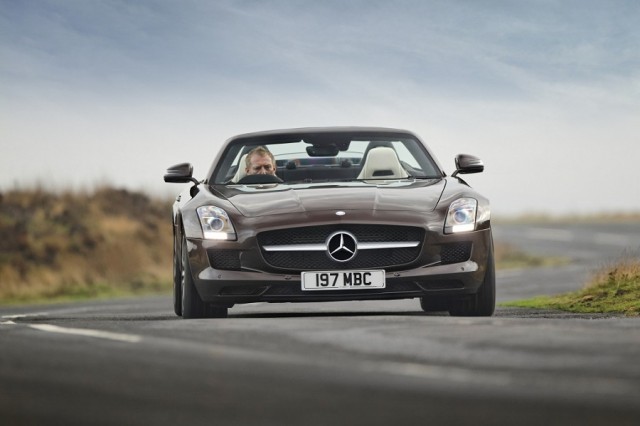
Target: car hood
pixel 264 200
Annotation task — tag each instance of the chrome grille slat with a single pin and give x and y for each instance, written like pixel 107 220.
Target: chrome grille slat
pixel 323 247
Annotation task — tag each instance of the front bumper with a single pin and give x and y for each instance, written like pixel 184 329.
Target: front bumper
pixel 257 282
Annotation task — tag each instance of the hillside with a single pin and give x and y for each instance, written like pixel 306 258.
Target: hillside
pixel 72 244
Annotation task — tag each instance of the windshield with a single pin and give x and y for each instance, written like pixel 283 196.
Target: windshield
pixel 338 160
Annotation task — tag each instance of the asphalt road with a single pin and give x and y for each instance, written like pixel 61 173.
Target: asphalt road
pixel 133 362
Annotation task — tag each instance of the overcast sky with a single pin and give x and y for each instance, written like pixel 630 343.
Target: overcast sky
pixel 546 92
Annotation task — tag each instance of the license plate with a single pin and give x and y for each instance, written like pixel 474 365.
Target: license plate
pixel 343 280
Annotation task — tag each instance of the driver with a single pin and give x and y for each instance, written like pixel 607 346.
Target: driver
pixel 260 161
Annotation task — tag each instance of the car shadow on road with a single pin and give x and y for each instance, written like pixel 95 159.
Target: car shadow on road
pixel 336 314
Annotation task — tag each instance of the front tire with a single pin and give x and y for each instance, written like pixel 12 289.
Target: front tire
pixel 192 305
pixel 483 303
pixel 177 279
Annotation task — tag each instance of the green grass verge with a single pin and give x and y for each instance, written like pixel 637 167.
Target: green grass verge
pixel 614 290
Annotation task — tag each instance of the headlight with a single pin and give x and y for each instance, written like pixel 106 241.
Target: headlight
pixel 461 216
pixel 215 223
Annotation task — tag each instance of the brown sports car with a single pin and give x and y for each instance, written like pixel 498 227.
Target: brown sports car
pixel 336 214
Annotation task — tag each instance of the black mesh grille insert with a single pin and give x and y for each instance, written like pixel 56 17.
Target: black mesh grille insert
pixel 455 252
pixel 224 259
pixel 309 260
pixel 320 260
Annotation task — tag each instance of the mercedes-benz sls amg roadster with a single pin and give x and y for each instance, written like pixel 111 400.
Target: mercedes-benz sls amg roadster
pixel 333 214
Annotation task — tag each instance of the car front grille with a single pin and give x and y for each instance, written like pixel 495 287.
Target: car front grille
pixel 319 260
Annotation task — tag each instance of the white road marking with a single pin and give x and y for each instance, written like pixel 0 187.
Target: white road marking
pixel 550 234
pixel 18 316
pixel 120 337
pixel 66 311
pixel 7 323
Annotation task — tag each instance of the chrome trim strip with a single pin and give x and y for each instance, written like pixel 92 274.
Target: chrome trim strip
pixel 323 247
pixel 375 246
pixel 296 247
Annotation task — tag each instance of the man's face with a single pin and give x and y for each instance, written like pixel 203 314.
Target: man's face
pixel 260 165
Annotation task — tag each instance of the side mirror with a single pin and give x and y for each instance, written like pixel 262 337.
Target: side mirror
pixel 180 173
pixel 466 164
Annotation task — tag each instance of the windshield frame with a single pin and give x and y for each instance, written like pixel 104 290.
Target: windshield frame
pixel 241 144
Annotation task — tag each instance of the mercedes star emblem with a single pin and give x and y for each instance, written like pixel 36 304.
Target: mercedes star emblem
pixel 342 246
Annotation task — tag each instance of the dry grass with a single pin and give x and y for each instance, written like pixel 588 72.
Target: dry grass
pixel 74 244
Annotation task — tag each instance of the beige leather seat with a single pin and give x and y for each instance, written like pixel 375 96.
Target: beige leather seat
pixel 382 163
pixel 241 172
